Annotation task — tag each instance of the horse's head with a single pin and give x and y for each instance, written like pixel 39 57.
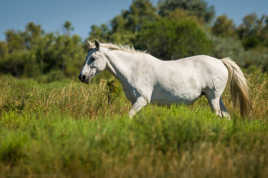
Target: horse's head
pixel 95 62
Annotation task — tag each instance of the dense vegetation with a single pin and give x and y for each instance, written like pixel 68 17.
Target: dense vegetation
pixel 69 129
pixel 170 30
pixel 54 126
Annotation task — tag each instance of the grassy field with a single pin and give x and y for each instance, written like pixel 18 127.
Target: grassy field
pixel 69 129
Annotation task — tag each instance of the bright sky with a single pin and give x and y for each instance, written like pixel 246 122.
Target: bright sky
pixel 51 14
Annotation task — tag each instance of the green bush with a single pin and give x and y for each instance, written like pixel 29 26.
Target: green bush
pixel 230 47
pixel 172 39
pixel 33 53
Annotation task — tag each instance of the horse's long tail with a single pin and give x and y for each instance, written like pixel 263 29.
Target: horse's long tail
pixel 239 87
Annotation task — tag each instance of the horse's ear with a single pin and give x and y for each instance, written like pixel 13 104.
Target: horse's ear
pixel 97 44
pixel 90 44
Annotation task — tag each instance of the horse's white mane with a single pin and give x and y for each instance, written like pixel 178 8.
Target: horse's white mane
pixel 126 48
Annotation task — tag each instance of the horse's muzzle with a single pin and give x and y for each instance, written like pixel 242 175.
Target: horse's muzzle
pixel 83 78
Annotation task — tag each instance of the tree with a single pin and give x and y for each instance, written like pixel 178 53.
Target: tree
pixel 33 52
pixel 3 49
pixel 140 12
pixel 33 30
pixel 253 31
pixel 32 34
pixel 171 38
pixel 198 8
pixel 101 32
pixel 15 40
pixel 223 27
pixel 68 27
pixel 264 31
pixel 249 26
pixel 125 26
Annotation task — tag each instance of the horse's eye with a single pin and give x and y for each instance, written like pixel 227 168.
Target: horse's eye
pixel 92 59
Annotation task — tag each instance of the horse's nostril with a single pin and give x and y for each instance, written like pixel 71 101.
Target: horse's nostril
pixel 83 77
pixel 79 77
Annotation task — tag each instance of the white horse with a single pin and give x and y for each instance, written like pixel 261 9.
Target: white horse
pixel 146 79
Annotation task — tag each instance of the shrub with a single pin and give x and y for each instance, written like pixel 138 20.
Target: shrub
pixel 173 38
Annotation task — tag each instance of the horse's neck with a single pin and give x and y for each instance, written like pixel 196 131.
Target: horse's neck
pixel 121 64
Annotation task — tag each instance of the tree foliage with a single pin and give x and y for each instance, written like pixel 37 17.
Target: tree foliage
pixel 33 52
pixel 169 30
pixel 124 27
pixel 224 27
pixel 198 8
pixel 174 38
pixel 254 31
pixel 68 27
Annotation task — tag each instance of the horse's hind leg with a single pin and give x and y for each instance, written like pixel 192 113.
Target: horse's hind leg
pixel 213 97
pixel 214 103
pixel 224 111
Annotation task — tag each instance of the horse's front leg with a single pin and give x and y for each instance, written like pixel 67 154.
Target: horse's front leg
pixel 138 105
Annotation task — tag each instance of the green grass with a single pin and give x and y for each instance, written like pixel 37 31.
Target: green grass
pixel 68 129
pixel 59 144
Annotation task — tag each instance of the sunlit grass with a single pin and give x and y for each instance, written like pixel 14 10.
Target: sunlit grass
pixel 68 129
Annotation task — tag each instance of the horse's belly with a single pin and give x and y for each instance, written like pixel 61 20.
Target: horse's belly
pixel 169 96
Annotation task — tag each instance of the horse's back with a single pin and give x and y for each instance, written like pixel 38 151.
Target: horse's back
pixel 183 80
pixel 199 62
pixel 201 67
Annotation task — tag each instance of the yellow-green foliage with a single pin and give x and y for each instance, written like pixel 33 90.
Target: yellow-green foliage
pixel 69 129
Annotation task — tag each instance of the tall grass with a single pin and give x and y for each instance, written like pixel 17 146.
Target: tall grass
pixel 158 142
pixel 66 96
pixel 68 129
